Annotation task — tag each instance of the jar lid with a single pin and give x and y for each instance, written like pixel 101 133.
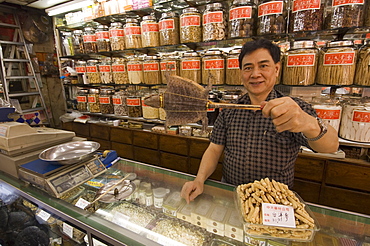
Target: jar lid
pixel 340 43
pixel 83 90
pixel 235 51
pixel 81 62
pixel 107 90
pixel 94 90
pixel 190 10
pixel 168 14
pixel 88 28
pixel 77 32
pixel 190 54
pixel 303 44
pixel 116 24
pixel 148 17
pixel 92 61
pixel 213 52
pixel 152 57
pixel 131 20
pixel 214 5
pixel 102 27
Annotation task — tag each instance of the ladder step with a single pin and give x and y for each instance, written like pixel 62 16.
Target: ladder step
pixel 22 94
pixel 11 42
pixel 15 60
pixel 20 77
pixel 8 25
pixel 32 109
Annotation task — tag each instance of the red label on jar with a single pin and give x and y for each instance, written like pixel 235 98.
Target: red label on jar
pixel 132 30
pixel 340 58
pixel 133 101
pixel 299 5
pixel 143 104
pixel 104 68
pixel 150 27
pixel 328 114
pixel 346 2
pixel 91 99
pixel 361 116
pixel 190 20
pixel 81 99
pixel 81 69
pixel 102 35
pixel 134 67
pixel 233 63
pixel 190 65
pixel 118 68
pixel 116 33
pixel 301 60
pixel 241 13
pixel 166 24
pixel 213 17
pixel 214 64
pixel 168 66
pixel 117 101
pixel 104 100
pixel 89 38
pixel 275 7
pixel 91 69
pixel 367 35
pixel 151 66
pixel 211 110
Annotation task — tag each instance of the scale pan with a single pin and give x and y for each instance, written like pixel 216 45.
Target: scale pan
pixel 70 153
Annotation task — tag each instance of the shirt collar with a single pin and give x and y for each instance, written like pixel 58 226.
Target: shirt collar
pixel 245 99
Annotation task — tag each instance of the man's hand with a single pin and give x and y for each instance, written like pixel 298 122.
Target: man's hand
pixel 191 190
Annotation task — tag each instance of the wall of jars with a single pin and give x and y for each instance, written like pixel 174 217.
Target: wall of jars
pixel 323 43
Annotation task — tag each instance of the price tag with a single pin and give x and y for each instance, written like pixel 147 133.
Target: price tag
pixel 43 215
pixel 120 219
pixel 82 203
pixel 278 215
pixel 68 230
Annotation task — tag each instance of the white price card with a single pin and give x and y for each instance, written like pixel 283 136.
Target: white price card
pixel 278 215
pixel 82 203
pixel 43 215
pixel 68 230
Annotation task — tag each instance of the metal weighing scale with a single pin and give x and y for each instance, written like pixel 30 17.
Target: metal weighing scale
pixel 57 179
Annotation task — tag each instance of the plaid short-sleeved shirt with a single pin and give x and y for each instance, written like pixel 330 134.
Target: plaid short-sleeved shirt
pixel 253 148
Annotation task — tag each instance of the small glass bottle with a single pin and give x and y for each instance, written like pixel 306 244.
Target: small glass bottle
pixel 272 17
pixel 105 71
pixel 214 22
pixel 232 68
pixel 105 100
pixel 117 36
pixel 119 103
pixel 92 72
pixel 119 71
pixel 152 75
pixel 93 100
pixel 190 26
pixel 78 42
pixel 149 32
pixel 213 64
pixel 242 19
pixel 135 70
pixel 191 67
pixel 102 38
pixel 169 66
pixel 132 34
pixel 82 100
pixel 169 32
pixel 89 39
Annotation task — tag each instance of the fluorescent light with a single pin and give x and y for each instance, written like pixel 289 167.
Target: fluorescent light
pixel 68 7
pixel 43 4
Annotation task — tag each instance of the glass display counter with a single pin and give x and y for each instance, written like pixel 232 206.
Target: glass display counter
pixel 147 209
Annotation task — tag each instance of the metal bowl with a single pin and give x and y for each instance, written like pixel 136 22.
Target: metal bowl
pixel 70 153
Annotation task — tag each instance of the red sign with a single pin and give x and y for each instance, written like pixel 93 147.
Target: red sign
pixel 340 58
pixel 190 20
pixel 328 114
pixel 213 17
pixel 151 66
pixel 118 68
pixel 150 27
pixel 361 116
pixel 214 64
pixel 300 60
pixel 89 38
pixel 134 67
pixel 346 2
pixel 166 24
pixel 81 99
pixel 133 101
pixel 274 7
pixel 117 101
pixel 91 99
pixel 116 33
pixel 81 69
pixel 241 13
pixel 91 69
pixel 233 63
pixel 132 30
pixel 190 65
pixel 299 5
pixel 102 35
pixel 104 68
pixel 104 100
pixel 168 66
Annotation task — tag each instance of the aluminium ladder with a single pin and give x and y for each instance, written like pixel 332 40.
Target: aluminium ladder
pixel 18 78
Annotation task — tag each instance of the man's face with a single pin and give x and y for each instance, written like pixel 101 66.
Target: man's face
pixel 259 72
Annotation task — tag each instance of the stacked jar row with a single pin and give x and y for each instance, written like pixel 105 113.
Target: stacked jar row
pixel 243 19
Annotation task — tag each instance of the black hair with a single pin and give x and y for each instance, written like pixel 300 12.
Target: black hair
pixel 261 43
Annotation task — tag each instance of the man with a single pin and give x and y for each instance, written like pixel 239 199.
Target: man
pixel 263 143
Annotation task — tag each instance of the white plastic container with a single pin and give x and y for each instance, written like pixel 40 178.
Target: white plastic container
pixel 158 196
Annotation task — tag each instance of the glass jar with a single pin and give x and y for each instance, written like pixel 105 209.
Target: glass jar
pixel 119 103
pixel 300 63
pixel 80 67
pixel 78 42
pixel 105 100
pixel 93 100
pixel 190 26
pixel 148 111
pixel 355 121
pixel 362 75
pixel 272 17
pixel 133 103
pixel 132 34
pixel 82 99
pixel 89 39
pixel 214 22
pixel 306 15
pixel 92 72
pixel 213 64
pixel 329 110
pixel 169 66
pixel 152 75
pixel 337 63
pixel 340 14
pixel 190 67
pixel 135 70
pixel 169 32
pixel 117 36
pixel 102 38
pixel 119 71
pixel 105 71
pixel 232 68
pixel 242 19
pixel 149 32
